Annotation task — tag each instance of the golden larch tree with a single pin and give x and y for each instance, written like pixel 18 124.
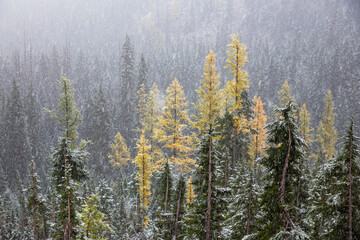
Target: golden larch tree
pixel 259 136
pixel 305 125
pixel 327 135
pixel 145 169
pixel 120 156
pixel 208 106
pixel 174 122
pixel 284 95
pixel 190 194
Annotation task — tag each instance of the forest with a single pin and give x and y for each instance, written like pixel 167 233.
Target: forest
pixel 208 119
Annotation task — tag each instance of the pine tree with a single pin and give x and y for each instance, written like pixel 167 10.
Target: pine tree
pixel 127 91
pixel 327 134
pixel 243 207
pixel 163 218
pixel 92 220
pixel 144 172
pixel 342 201
pixel 174 122
pixel 282 164
pixel 68 163
pixel 17 148
pixel 259 135
pixel 143 75
pixel 202 213
pixel 179 207
pixel 34 203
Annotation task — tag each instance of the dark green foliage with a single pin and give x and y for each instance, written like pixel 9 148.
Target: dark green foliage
pixel 196 215
pixel 273 221
pixel 244 209
pixel 334 211
pixel 163 220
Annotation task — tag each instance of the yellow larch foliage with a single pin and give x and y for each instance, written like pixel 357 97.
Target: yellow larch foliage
pixel 120 152
pixel 143 162
pixel 190 195
pixel 209 96
pixel 174 122
pixel 258 123
pixel 327 135
pixel 150 124
pixel 305 125
pixel 237 57
pixel 285 95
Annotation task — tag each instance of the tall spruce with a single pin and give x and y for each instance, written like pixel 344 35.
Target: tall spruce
pixel 283 159
pixel 68 163
pixel 343 201
pixel 127 91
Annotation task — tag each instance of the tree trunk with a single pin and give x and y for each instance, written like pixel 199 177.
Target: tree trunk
pixel 208 215
pixel 350 194
pixel 166 190
pixel 283 182
pixel 177 211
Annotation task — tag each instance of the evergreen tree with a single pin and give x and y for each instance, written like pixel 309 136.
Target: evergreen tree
pixel 342 204
pixel 179 209
pixel 34 204
pixel 174 122
pixel 163 218
pixel 127 91
pixel 282 163
pixel 202 212
pixel 16 150
pixel 68 163
pixel 67 114
pixel 243 204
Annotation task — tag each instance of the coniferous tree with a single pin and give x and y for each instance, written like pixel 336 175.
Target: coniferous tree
pixel 201 212
pixel 68 163
pixel 237 101
pixel 162 203
pixel 174 122
pixel 282 163
pixel 17 148
pixel 143 176
pixel 259 135
pixel 342 204
pixel 34 203
pixel 127 91
pixel 179 208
